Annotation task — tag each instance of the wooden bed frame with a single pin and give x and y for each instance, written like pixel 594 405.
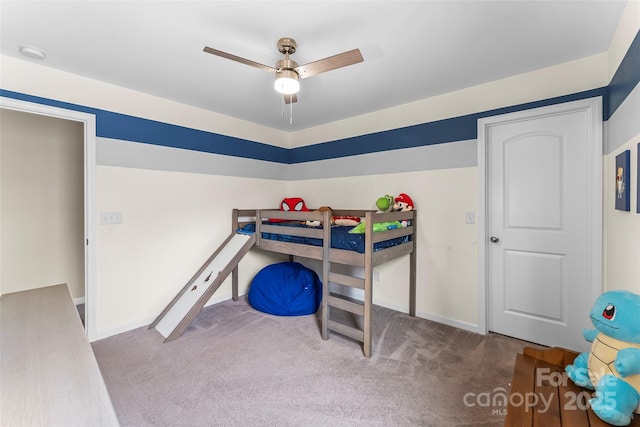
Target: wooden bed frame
pixel 329 256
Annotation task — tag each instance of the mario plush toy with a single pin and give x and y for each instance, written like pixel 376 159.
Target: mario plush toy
pixel 403 203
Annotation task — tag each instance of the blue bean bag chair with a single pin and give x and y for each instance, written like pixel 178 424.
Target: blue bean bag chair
pixel 286 289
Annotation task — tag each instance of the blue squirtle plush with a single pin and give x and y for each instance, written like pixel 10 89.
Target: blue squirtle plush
pixel 612 367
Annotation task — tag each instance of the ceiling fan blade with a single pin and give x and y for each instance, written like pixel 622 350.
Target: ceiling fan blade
pixel 289 99
pixel 238 59
pixel 331 63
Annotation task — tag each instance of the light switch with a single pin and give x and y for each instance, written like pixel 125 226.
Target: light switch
pixel 110 218
pixel 470 217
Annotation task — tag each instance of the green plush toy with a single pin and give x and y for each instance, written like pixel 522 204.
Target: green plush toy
pixel 377 227
pixel 385 203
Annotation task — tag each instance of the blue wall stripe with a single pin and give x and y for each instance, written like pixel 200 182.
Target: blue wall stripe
pixel 129 128
pixel 136 129
pixel 46 101
pixel 626 77
pixel 448 130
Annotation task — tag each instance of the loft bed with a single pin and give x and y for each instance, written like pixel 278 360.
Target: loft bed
pixel 366 251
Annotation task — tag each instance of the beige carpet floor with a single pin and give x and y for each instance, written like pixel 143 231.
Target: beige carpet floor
pixel 235 366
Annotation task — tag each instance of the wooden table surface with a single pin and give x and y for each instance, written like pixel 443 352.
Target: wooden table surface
pixel 48 373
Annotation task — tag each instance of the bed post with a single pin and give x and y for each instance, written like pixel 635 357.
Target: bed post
pixel 368 283
pixel 326 267
pixel 413 256
pixel 258 226
pixel 234 272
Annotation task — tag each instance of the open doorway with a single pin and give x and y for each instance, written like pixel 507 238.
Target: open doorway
pixel 44 247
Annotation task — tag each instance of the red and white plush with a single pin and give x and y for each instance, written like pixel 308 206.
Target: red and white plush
pixel 289 204
pixel 403 203
pixel 293 204
pixel 347 220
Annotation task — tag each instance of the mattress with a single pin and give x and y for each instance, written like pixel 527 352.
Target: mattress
pixel 340 237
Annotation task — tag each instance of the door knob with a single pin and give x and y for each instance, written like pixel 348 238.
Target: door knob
pixel 495 239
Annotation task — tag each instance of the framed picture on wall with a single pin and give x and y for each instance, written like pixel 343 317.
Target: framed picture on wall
pixel 623 190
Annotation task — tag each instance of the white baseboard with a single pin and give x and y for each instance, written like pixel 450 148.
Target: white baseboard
pixel 217 299
pixel 146 322
pixel 392 306
pixel 428 316
pixel 449 322
pixel 121 329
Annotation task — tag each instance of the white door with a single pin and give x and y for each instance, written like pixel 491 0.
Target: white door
pixel 543 221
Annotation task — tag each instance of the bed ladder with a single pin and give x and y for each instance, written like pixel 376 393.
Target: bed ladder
pixel 360 330
pixel 175 318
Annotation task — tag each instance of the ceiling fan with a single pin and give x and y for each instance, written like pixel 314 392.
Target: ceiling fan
pixel 287 72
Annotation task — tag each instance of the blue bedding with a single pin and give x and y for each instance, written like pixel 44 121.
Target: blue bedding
pixel 340 237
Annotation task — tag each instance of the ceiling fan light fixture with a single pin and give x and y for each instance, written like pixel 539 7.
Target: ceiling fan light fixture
pixel 288 72
pixel 287 82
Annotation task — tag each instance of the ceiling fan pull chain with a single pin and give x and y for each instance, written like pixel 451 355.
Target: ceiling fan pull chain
pixel 290 110
pixel 283 107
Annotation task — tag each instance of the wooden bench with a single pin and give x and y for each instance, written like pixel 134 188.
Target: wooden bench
pixel 543 395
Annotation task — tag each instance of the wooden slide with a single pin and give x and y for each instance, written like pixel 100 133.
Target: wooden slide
pixel 175 318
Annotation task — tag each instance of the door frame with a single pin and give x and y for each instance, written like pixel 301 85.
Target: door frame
pixel 89 121
pixel 594 107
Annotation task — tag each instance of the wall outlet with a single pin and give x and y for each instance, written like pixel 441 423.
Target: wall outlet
pixel 110 218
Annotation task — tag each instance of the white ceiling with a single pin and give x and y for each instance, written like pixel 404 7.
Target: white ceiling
pixel 412 50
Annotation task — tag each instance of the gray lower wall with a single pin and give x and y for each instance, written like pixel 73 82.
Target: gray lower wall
pixel 624 124
pixel 114 152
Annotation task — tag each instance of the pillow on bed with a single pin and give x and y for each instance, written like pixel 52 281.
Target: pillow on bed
pixel 286 289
